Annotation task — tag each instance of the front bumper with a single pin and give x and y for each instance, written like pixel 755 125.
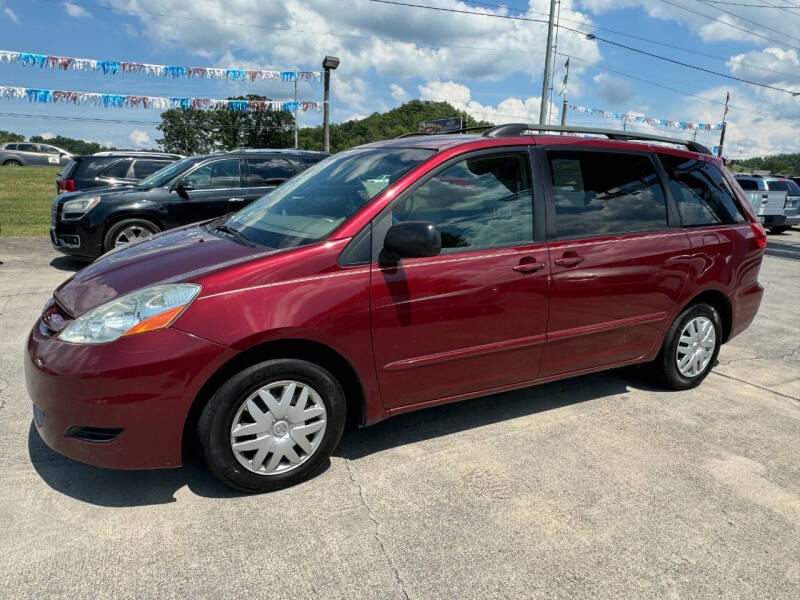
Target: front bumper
pixel 142 385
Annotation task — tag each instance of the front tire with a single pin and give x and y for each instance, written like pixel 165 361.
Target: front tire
pixel 690 348
pixel 272 425
pixel 129 231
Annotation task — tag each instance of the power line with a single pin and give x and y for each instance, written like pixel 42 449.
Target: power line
pixel 710 18
pixel 643 39
pixel 594 37
pixel 747 5
pixel 58 118
pixel 757 24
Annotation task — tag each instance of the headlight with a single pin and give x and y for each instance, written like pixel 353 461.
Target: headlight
pixel 144 310
pixel 79 207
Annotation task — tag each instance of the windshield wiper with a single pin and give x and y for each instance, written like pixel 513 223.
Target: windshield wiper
pixel 236 234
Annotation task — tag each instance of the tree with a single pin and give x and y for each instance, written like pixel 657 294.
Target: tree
pixel 192 131
pixel 8 136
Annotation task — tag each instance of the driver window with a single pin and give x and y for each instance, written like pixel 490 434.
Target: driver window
pixel 219 174
pixel 478 202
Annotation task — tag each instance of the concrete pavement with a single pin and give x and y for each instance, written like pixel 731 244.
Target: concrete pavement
pixel 602 486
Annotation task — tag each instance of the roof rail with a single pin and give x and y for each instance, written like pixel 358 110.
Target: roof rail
pixel 449 131
pixel 512 129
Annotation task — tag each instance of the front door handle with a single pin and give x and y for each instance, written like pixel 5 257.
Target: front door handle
pixel 236 199
pixel 529 267
pixel 569 261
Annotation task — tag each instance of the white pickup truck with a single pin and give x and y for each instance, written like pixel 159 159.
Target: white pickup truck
pixel 774 199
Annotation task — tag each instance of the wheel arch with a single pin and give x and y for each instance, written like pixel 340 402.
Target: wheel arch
pixel 298 348
pixel 721 302
pixel 113 218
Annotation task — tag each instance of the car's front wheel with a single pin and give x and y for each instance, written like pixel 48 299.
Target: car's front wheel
pixel 129 231
pixel 690 347
pixel 272 425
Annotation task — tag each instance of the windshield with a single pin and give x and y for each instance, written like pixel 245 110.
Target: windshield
pixel 311 205
pixel 162 176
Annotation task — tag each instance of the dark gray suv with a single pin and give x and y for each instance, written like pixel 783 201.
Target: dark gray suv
pixel 110 168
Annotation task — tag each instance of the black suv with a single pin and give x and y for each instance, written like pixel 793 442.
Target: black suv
pixel 110 168
pixel 197 188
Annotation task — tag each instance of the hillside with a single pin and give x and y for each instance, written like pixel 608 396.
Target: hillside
pixel 785 164
pixel 380 126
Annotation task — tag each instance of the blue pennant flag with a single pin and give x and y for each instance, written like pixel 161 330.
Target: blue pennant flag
pixel 28 59
pixel 238 105
pixel 108 66
pixel 113 100
pixel 290 107
pixel 176 72
pixel 35 95
pixel 181 102
pixel 288 75
pixel 235 74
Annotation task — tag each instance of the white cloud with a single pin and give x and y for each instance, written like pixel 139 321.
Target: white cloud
pixel 73 10
pixel 11 15
pixel 506 111
pixel 140 138
pixel 47 135
pixel 613 91
pixel 398 93
pixel 770 65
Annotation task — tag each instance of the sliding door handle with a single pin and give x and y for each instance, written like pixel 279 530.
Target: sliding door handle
pixel 529 267
pixel 569 261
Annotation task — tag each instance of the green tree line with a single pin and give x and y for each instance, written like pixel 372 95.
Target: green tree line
pixel 784 164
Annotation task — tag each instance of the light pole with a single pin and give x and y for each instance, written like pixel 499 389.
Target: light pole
pixel 328 64
pixel 548 54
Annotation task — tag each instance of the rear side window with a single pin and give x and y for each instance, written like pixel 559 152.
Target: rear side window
pixel 145 168
pixel 119 170
pixel 778 186
pixel 91 166
pixel 479 202
pixel 267 171
pixel 701 192
pixel 605 193
pixel 10 147
pixel 747 184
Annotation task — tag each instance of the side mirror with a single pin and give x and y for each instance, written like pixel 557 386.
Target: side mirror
pixel 413 239
pixel 182 187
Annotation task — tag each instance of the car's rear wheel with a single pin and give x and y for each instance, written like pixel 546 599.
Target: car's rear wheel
pixel 272 425
pixel 12 163
pixel 690 348
pixel 129 231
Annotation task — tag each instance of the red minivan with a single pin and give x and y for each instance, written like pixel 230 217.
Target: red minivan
pixel 388 278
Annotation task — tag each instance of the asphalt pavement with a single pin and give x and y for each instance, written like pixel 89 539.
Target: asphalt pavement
pixel 603 486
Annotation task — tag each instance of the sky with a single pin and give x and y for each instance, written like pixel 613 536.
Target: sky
pixel 484 64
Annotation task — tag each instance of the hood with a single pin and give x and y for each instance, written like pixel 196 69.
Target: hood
pixel 175 255
pixel 104 192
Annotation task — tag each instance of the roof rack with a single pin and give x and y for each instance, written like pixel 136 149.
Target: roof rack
pixel 449 131
pixel 512 129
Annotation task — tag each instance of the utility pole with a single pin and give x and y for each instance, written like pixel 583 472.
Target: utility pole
pixel 328 64
pixel 295 114
pixel 722 134
pixel 546 77
pixel 564 92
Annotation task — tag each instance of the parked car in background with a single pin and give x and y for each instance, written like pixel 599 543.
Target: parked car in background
pixel 774 199
pixel 104 169
pixel 388 278
pixel 197 188
pixel 28 154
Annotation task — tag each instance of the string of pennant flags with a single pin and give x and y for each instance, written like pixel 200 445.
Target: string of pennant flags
pixel 155 102
pixel 112 67
pixel 650 121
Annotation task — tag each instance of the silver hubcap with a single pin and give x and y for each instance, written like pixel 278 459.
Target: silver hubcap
pixel 696 346
pixel 132 234
pixel 278 427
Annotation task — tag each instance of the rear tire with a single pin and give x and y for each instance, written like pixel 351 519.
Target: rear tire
pixel 12 163
pixel 133 230
pixel 689 352
pixel 289 415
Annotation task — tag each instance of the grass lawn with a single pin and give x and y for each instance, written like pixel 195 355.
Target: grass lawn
pixel 25 197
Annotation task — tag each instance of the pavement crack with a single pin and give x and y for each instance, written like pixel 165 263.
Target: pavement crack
pixel 376 530
pixel 755 385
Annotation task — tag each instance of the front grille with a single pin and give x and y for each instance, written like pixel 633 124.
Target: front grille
pixel 94 434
